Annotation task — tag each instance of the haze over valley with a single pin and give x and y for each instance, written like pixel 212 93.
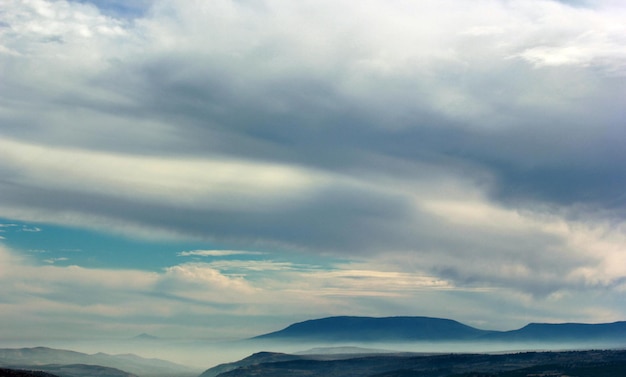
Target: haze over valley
pixel 335 345
pixel 178 177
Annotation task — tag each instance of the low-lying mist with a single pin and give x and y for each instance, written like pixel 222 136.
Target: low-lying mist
pixel 200 355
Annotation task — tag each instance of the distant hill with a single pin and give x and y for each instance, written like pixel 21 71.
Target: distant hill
pixel 343 350
pixel 376 329
pixel 371 329
pixel 563 332
pixel 82 370
pixel 41 356
pixel 145 337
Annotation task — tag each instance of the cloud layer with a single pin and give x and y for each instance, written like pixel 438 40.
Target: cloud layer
pixel 478 144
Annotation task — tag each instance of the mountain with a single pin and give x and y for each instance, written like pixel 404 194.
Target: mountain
pixel 608 363
pixel 376 329
pixel 314 354
pixel 134 364
pixel 543 332
pixel 403 329
pixel 145 337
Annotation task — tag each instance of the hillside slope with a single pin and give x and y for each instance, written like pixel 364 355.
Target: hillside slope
pixel 583 363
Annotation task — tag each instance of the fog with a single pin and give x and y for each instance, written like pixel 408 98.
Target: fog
pixel 200 355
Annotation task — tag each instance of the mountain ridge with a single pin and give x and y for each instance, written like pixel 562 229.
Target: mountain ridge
pixel 564 331
pixel 596 363
pixel 419 328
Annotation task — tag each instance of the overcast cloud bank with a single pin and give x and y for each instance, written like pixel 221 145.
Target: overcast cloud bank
pixel 451 151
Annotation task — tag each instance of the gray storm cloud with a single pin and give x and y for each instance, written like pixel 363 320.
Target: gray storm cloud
pixel 388 128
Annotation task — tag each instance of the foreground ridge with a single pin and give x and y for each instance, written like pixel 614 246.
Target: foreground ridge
pixel 594 363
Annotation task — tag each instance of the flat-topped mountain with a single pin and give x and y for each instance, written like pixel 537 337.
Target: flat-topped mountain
pixel 376 329
pixel 372 329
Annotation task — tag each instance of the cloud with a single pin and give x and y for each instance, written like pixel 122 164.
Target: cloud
pixel 154 178
pixel 600 48
pixel 33 229
pixel 36 296
pixel 479 145
pixel 200 275
pixel 54 297
pixel 216 253
pixel 54 260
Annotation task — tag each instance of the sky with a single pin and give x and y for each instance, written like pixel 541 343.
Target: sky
pixel 220 169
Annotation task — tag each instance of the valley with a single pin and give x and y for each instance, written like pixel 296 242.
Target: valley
pixel 353 347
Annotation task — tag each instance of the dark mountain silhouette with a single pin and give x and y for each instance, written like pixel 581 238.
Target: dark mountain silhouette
pixel 579 363
pixel 376 329
pixel 4 372
pixel 313 355
pixel 370 329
